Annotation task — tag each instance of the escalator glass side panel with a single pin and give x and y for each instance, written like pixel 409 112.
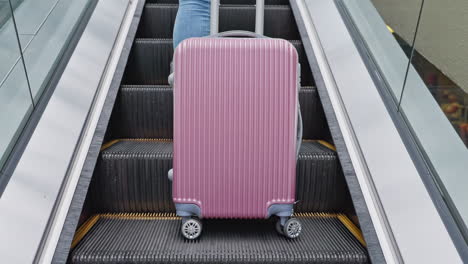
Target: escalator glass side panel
pixel 36 39
pixel 15 100
pixel 417 52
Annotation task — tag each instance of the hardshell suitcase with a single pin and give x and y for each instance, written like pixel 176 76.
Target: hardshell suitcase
pixel 235 130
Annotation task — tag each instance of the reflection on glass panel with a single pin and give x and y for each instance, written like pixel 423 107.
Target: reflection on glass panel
pixel 401 16
pixel 45 28
pixel 15 99
pixel 440 59
pixel 384 35
pixel 435 99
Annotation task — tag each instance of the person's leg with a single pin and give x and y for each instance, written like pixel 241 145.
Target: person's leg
pixel 193 20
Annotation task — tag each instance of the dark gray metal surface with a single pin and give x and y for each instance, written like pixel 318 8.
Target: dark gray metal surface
pixel 158 20
pixel 365 221
pixel 313 117
pixel 149 62
pixel 146 111
pixel 150 59
pixel 323 240
pixel 131 176
pixel 320 185
pixel 143 111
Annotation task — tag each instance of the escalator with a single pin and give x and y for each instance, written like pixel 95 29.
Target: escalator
pixel 129 216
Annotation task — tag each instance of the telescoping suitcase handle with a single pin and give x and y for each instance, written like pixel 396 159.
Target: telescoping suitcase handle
pixel 259 17
pixel 237 33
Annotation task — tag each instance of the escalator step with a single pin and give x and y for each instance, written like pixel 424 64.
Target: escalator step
pixel 131 176
pixel 149 62
pixel 143 112
pixel 227 2
pixel 146 111
pixel 313 117
pixel 146 239
pixel 158 20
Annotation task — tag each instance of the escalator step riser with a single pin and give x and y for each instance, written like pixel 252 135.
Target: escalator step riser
pixel 120 240
pixel 147 112
pixel 158 21
pixel 144 112
pixel 313 117
pixel 227 2
pixel 132 177
pixel 149 62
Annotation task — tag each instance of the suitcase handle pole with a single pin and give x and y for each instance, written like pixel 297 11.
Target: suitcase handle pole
pixel 259 17
pixel 214 19
pixel 237 33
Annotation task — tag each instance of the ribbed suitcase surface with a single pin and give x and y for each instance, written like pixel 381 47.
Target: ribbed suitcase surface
pixel 245 89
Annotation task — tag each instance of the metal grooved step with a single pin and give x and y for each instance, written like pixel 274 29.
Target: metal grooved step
pixel 146 239
pixel 149 62
pixel 158 20
pixel 146 111
pixel 131 176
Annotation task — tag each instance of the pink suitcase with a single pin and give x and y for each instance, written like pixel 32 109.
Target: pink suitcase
pixel 235 130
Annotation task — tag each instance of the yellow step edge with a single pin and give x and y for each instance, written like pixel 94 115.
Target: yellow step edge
pixel 352 228
pixel 310 215
pixel 142 216
pixel 86 227
pixel 110 143
pixel 148 139
pixel 322 142
pixel 326 144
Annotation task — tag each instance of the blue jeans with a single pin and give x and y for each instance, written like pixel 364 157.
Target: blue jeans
pixel 193 20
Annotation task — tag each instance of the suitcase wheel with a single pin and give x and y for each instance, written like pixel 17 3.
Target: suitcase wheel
pixel 191 228
pixel 291 229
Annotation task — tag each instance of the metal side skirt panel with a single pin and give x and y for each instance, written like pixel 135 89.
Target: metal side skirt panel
pixel 365 221
pixel 35 202
pixel 73 215
pixel 395 196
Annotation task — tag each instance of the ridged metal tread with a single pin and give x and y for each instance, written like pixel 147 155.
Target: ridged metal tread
pixel 143 111
pixel 324 239
pixel 146 111
pixel 149 62
pixel 158 20
pixel 131 176
pixel 320 185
